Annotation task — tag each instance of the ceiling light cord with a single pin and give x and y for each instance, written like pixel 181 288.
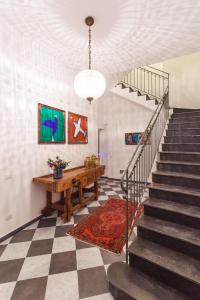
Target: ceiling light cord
pixel 89 48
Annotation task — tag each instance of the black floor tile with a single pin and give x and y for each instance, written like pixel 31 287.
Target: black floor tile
pixel 23 236
pixel 102 194
pixel 40 247
pixel 47 222
pixel 63 262
pixel 2 248
pixel 9 270
pixel 92 209
pixel 92 282
pixel 30 289
pixel 62 230
pixel 82 245
pixel 78 218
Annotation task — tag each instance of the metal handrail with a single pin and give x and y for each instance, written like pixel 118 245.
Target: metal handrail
pixel 135 177
pixel 156 69
pixel 148 81
pixel 143 141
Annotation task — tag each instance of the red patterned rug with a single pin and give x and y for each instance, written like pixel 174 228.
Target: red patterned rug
pixel 105 227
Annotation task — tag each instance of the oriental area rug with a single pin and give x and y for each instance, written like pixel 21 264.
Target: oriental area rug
pixel 106 226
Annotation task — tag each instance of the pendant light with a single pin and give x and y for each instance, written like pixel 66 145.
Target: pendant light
pixel 89 84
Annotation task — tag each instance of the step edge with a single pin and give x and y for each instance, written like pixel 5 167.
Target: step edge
pixel 179 237
pixel 174 189
pixel 185 213
pixel 140 254
pixel 177 174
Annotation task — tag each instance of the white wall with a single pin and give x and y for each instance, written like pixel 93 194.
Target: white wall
pixel 118 116
pixel 21 88
pixel 184 80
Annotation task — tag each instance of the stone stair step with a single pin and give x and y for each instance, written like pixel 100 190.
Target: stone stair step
pixel 178 194
pixel 171 267
pixel 178 166
pixel 193 113
pixel 171 235
pixel 180 156
pixel 180 179
pixel 181 110
pixel 183 131
pixel 184 119
pixel 182 147
pixel 126 283
pixel 182 139
pixel 171 211
pixel 193 124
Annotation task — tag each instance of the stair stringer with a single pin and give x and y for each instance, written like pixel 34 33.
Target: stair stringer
pixel 133 97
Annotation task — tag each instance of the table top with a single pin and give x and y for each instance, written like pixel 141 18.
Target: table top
pixel 67 175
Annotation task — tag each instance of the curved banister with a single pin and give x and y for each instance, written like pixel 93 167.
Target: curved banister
pixel 135 177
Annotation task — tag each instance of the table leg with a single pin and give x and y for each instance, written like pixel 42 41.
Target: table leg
pixel 67 206
pixel 96 189
pixel 48 209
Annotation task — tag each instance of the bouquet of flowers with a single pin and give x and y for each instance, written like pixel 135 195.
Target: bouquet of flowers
pixel 57 164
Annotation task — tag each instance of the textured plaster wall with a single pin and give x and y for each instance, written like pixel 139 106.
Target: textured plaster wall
pixel 184 80
pixel 21 158
pixel 118 115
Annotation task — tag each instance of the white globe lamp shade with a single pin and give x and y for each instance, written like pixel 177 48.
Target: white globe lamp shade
pixel 89 84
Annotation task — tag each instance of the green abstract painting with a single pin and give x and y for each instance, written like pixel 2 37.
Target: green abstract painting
pixel 51 125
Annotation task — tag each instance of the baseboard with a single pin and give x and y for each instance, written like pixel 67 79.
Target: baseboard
pixel 8 235
pixel 110 178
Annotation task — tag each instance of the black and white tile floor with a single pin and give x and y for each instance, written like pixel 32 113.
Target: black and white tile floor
pixel 41 262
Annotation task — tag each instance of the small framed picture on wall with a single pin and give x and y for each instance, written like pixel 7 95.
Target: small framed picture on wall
pixel 133 138
pixel 51 125
pixel 77 129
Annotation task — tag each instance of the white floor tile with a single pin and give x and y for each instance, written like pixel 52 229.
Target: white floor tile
pixel 44 233
pixel 32 226
pixel 61 223
pixel 15 250
pixel 63 286
pixel 62 244
pixel 94 204
pixel 109 193
pixel 88 258
pixel 35 266
pixel 6 242
pixel 103 198
pixel 106 268
pixel 6 290
pixel 83 211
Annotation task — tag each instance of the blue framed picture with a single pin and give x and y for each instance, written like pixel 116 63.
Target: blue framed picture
pixel 133 138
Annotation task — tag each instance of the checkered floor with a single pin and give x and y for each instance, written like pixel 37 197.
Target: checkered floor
pixel 41 262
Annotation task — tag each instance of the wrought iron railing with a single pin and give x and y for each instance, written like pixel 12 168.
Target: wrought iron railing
pixel 147 81
pixel 135 177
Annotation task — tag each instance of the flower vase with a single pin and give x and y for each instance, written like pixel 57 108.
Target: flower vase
pixel 57 173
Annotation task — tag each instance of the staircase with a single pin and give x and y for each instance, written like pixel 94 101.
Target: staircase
pixel 144 86
pixel 164 260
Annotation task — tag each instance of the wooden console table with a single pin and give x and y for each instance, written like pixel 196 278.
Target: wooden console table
pixel 80 178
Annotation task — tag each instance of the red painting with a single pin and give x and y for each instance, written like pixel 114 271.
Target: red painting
pixel 77 129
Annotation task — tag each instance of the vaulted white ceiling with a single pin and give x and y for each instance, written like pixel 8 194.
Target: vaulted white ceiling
pixel 126 33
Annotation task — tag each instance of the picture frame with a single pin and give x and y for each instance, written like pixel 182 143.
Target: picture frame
pixel 77 129
pixel 51 125
pixel 133 138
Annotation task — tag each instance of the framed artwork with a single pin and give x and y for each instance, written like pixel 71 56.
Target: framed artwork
pixel 51 125
pixel 133 138
pixel 77 129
